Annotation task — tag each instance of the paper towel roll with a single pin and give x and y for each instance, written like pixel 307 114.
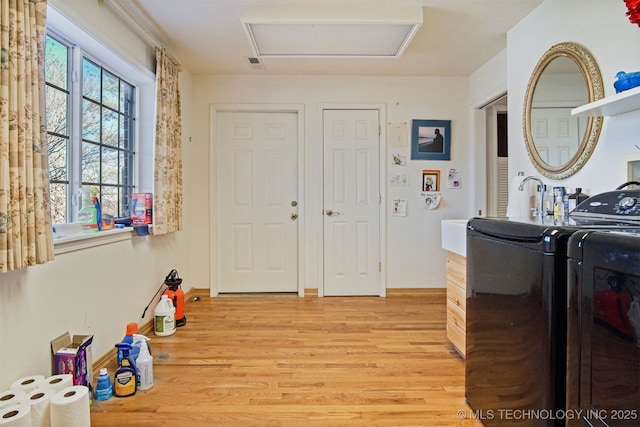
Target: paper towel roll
pixel 29 383
pixel 16 416
pixel 58 382
pixel 70 407
pixel 39 400
pixel 11 398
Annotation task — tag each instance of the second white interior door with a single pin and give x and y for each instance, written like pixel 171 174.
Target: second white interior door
pixel 352 196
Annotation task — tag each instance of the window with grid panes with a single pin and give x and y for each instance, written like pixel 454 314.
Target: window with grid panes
pixel 91 131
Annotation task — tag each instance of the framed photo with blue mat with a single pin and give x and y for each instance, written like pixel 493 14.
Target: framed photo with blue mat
pixel 431 140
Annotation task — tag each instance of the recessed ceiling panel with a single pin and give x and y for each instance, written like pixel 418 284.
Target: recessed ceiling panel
pixel 337 31
pixel 360 40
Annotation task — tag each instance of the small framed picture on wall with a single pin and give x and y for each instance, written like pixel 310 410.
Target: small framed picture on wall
pixel 430 180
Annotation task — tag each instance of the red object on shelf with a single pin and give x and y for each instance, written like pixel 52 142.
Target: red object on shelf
pixel 633 12
pixel 142 208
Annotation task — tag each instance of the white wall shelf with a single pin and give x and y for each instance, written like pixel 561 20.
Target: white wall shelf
pixel 620 103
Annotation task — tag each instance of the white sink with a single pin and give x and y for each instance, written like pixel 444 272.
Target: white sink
pixel 454 235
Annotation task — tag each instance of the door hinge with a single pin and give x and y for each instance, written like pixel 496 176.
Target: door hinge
pixel 379 267
pixel 379 199
pixel 379 129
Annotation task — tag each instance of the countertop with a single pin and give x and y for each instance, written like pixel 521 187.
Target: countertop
pixel 454 231
pixel 454 235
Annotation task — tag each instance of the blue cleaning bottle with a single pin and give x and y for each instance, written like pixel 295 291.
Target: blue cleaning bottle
pixel 104 390
pixel 132 329
pixel 96 205
pixel 125 379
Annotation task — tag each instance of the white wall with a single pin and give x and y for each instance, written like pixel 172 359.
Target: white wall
pixel 414 254
pixel 99 290
pixel 486 84
pixel 602 27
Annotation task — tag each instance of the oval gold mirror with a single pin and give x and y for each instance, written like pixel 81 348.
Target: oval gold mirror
pixel 566 77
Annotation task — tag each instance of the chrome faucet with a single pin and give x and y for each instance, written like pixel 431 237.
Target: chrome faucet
pixel 539 209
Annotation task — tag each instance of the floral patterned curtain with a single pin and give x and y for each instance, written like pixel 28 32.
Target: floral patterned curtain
pixel 26 236
pixel 167 204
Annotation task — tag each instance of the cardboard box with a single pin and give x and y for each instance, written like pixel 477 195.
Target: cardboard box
pixel 141 208
pixel 72 355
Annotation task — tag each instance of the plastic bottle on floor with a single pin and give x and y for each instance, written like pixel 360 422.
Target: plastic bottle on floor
pixel 104 389
pixel 144 364
pixel 165 321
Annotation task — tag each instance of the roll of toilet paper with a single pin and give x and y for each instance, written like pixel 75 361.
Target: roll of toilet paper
pixel 11 398
pixel 39 400
pixel 58 382
pixel 29 383
pixel 70 407
pixel 519 204
pixel 16 416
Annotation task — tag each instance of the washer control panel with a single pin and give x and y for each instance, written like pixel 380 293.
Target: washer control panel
pixel 621 205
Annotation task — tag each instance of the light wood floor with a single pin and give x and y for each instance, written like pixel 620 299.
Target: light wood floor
pixel 289 361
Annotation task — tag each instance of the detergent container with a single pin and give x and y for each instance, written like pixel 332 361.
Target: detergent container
pixel 132 328
pixel 165 321
pixel 144 364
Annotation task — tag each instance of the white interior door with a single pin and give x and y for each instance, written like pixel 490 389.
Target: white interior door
pixel 257 187
pixel 352 199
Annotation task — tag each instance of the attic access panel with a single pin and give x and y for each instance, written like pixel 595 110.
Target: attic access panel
pixel 359 40
pixel 331 31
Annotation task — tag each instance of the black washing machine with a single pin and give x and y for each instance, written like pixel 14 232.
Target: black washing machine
pixel 603 352
pixel 516 321
pixel 518 275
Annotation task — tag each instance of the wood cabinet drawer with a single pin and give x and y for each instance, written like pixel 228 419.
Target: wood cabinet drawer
pixel 457 336
pixel 457 269
pixel 456 316
pixel 456 295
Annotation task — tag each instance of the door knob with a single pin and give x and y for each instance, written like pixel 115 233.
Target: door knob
pixel 294 216
pixel 332 213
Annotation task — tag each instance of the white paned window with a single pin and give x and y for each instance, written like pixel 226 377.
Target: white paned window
pixel 99 111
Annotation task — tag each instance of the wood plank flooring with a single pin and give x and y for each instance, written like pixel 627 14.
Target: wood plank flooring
pixel 290 361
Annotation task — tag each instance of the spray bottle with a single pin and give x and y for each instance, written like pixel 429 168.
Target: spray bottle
pixel 88 215
pixel 96 204
pixel 144 364
pixel 124 380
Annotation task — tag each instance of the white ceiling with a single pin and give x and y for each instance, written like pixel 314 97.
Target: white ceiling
pixel 455 39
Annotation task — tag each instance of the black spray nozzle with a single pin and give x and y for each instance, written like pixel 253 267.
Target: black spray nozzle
pixel 173 281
